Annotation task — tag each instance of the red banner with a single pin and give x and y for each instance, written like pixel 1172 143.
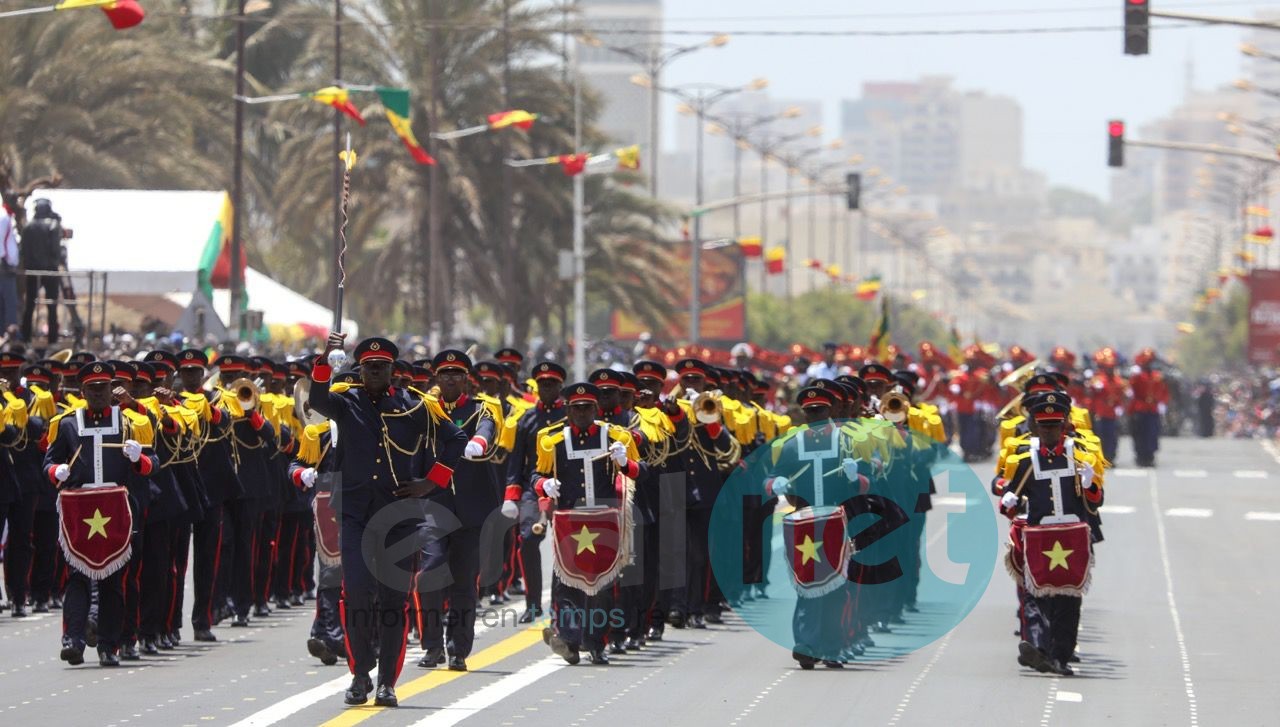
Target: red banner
pixel 1264 317
pixel 819 547
pixel 724 310
pixel 95 529
pixel 591 546
pixel 1057 559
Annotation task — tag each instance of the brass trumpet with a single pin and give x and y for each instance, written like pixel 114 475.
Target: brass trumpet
pixel 246 392
pixel 894 406
pixel 707 408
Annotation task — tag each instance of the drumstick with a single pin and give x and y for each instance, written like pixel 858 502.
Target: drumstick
pixel 75 456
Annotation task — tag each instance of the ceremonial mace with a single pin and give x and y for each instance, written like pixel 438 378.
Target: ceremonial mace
pixel 338 357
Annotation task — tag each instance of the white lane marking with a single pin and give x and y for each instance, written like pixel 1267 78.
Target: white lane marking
pixel 1070 696
pixel 915 683
pixel 1049 701
pixel 492 694
pixel 1250 474
pixel 298 702
pixel 1187 684
pixel 1190 473
pixel 1270 449
pixel 1199 512
pixel 1272 516
pixel 1118 509
pixel 951 501
pixel 1126 472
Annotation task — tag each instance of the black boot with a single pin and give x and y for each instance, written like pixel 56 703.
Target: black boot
pixel 598 657
pixel 457 663
pixel 205 635
pixel 386 696
pixel 130 652
pixel 107 657
pixel 433 658
pixel 358 692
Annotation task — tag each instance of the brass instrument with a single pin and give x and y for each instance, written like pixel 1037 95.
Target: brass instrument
pixel 1019 376
pixel 62 356
pixel 246 392
pixel 894 406
pixel 707 408
pixel 302 404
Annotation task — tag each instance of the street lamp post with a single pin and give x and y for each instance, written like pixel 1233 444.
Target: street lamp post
pixel 653 58
pixel 767 147
pixel 698 99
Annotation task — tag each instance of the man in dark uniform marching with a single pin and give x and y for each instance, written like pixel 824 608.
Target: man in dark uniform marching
pixel 390 438
pixel 518 499
pixel 451 555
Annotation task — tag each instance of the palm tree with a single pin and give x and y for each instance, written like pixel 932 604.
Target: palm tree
pixel 412 43
pixel 108 109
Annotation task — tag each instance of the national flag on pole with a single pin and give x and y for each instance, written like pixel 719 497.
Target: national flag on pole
pixel 518 118
pixel 1257 211
pixel 868 289
pixel 752 247
pixel 573 164
pixel 879 347
pixel 812 263
pixel 628 157
pixel 775 259
pixel 833 272
pixel 122 13
pixel 1186 327
pixel 340 99
pixel 395 103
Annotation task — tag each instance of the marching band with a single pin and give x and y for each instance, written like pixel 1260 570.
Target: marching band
pixel 281 482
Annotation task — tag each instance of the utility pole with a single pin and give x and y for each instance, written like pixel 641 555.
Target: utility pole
pixel 508 227
pixel 579 238
pixel 236 282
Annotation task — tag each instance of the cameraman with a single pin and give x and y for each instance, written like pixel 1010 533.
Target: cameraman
pixel 42 250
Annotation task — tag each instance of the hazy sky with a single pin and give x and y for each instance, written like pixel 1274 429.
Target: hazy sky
pixel 1068 84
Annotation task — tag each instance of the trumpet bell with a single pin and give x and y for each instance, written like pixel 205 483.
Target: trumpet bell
pixel 246 393
pixel 894 406
pixel 707 409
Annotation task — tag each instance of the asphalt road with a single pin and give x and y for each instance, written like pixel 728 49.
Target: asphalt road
pixel 1176 630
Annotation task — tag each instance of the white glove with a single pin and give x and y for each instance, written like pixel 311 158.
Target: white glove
pixel 510 510
pixel 308 477
pixel 1086 475
pixel 1119 411
pixel 850 469
pixel 618 453
pixel 781 486
pixel 474 449
pixel 132 450
pixel 61 472
pixel 1162 408
pixel 1009 501
pixel 691 395
pixel 551 487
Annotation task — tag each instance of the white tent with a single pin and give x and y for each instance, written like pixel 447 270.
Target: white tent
pixel 150 243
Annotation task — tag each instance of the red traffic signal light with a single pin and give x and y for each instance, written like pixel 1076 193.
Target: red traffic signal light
pixel 1137 27
pixel 1115 143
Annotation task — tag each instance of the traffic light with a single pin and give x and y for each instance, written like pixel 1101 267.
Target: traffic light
pixel 853 189
pixel 1137 27
pixel 1115 140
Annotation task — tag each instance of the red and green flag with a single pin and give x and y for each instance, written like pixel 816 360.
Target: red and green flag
pixel 775 259
pixel 573 164
pixel 214 270
pixel 340 99
pixel 395 102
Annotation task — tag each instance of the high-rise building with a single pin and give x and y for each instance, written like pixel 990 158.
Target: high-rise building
pixel 627 107
pixel 934 138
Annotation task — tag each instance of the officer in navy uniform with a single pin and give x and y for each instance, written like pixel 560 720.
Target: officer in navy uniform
pixel 1051 621
pixel 578 620
pixel 651 376
pixel 128 465
pixel 520 501
pixel 451 551
pixel 25 481
pixel 221 486
pixel 390 438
